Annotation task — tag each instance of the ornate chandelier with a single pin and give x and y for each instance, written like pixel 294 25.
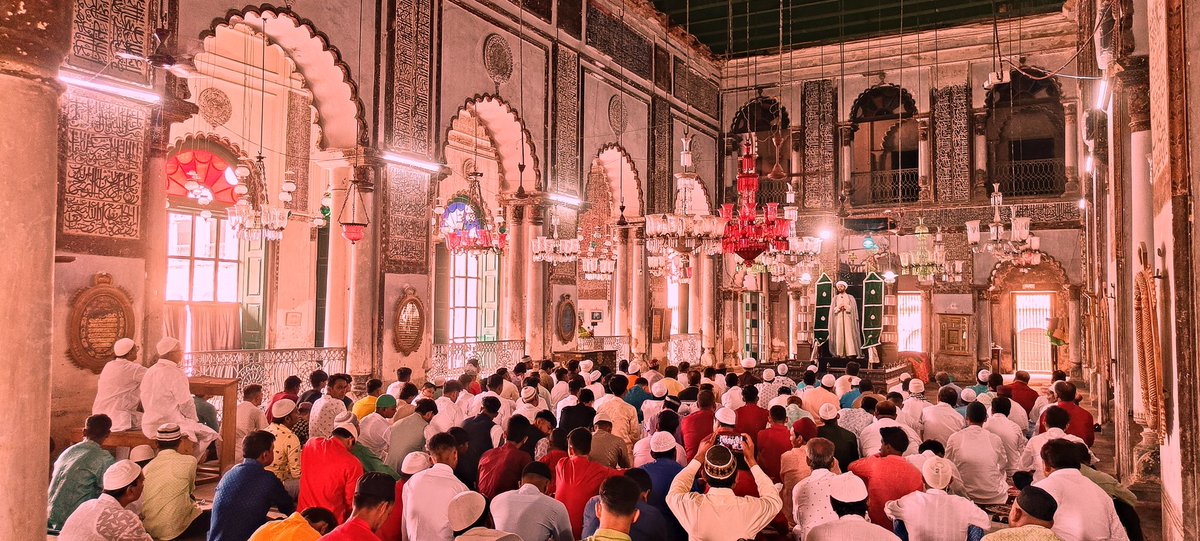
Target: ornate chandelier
pixel 464 227
pixel 749 234
pixel 600 261
pixel 928 257
pixel 1022 248
pixel 555 250
pixel 684 232
pixel 254 217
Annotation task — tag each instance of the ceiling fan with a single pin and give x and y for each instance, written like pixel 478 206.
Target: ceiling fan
pixel 179 65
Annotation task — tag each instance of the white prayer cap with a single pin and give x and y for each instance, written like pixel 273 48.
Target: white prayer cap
pixel 848 488
pixel 781 369
pixel 905 377
pixel 585 366
pixel 828 380
pixel 726 416
pixel 661 442
pixel 603 417
pixel 346 417
pixel 811 368
pixel 121 474
pixel 842 284
pixel 465 509
pixel 937 472
pixel 781 400
pixel 414 462
pixel 121 347
pixel 768 375
pixel 749 362
pixel 635 367
pixel 593 376
pixel 983 375
pixel 282 408
pixel 166 345
pixel 168 432
pixel 828 412
pixel 529 393
pixel 855 381
pixel 141 452
pixel 659 389
pixel 985 399
pixel 916 386
pixel 439 381
pixel 968 395
pixel 349 428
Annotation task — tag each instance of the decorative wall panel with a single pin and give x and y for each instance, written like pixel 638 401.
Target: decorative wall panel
pixel 406 224
pixel 695 89
pixel 104 141
pixel 412 31
pixel 957 249
pixel 593 227
pixel 662 68
pixel 660 181
pixel 106 27
pixel 819 118
pixel 609 35
pixel 570 17
pixel 952 143
pixel 1063 214
pixel 566 123
pixel 299 141
pixel 541 8
pixel 568 227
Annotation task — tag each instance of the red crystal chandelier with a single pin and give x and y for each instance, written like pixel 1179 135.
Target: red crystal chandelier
pixel 749 233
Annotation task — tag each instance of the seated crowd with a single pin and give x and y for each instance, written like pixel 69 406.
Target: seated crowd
pixel 546 452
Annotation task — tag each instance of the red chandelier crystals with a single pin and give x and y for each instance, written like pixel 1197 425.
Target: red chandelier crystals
pixel 749 234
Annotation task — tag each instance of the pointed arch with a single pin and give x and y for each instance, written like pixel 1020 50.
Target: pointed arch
pixel 618 166
pixel 504 126
pixel 883 101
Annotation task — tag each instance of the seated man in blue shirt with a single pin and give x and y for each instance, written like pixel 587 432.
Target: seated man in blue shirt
pixel 248 491
pixel 650 524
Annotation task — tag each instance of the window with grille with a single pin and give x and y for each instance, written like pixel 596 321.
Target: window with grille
pixel 751 325
pixel 908 322
pixel 202 259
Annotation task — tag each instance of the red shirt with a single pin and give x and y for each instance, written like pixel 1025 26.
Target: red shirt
pixel 393 526
pixel 280 396
pixel 887 478
pixel 354 530
pixel 773 442
pixel 551 459
pixel 695 428
pixel 500 469
pixel 1081 425
pixel 330 476
pixel 1023 395
pixel 579 479
pixel 751 419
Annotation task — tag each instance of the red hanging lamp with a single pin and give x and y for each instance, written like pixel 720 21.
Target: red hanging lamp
pixel 748 233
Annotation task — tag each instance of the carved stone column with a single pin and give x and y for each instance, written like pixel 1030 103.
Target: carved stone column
pixel 620 285
pixel 979 180
pixel 535 286
pixel 36 38
pixel 924 161
pixel 1071 147
pixel 845 164
pixel 514 262
pixel 640 341
pixel 708 318
pixel 335 166
pixel 695 287
pixel 363 296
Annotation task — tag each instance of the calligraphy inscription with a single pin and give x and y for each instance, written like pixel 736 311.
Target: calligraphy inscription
pixel 100 315
pixel 106 27
pixel 104 142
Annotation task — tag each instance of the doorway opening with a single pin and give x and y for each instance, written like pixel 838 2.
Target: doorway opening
pixel 1032 351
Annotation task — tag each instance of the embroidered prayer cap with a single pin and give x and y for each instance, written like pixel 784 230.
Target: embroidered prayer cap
pixel 659 389
pixel 983 375
pixel 465 508
pixel 828 412
pixel 414 462
pixel 585 366
pixel 168 432
pixel 968 395
pixel 121 474
pixel 848 488
pixel 781 369
pixel 283 407
pixel 529 393
pixel 749 362
pixel 635 368
pixel 348 428
pixel 768 375
pixel 122 347
pixel 719 463
pixel 828 380
pixel 916 386
pixel 937 472
pixel 661 442
pixel 726 416
pixel 383 402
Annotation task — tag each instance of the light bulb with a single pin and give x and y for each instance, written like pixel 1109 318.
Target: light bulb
pixel 241 189
pixel 327 201
pixel 206 214
pixel 286 197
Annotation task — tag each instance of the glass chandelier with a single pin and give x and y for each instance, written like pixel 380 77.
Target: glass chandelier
pixel 684 232
pixel 555 250
pixel 928 257
pixel 1021 248
pixel 749 233
pixel 600 261
pixel 463 227
pixel 254 217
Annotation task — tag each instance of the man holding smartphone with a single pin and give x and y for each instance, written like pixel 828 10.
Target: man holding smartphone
pixel 719 514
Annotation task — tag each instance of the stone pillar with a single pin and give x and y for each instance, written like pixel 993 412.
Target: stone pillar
pixel 924 161
pixel 535 288
pixel 620 285
pixel 793 320
pixel 979 180
pixel 1071 147
pixel 362 298
pixel 335 169
pixel 1075 344
pixel 513 266
pixel 695 287
pixel 846 164
pixel 36 40
pixel 640 342
pixel 708 317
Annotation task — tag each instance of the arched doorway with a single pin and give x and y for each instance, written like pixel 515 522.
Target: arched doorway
pixel 1029 315
pixel 603 274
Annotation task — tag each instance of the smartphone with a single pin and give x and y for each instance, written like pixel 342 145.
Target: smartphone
pixel 734 442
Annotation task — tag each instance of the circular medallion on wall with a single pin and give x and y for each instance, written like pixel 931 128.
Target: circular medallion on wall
pixel 497 58
pixel 408 325
pixel 215 106
pixel 617 116
pixel 100 315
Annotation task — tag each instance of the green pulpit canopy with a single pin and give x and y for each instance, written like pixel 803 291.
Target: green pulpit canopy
pixel 872 310
pixel 821 317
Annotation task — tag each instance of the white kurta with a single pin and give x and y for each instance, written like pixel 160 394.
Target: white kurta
pixel 845 334
pixel 939 422
pixel 1031 458
pixel 117 393
pixel 167 398
pixel 448 416
pixel 980 458
pixel 850 527
pixel 934 515
pixel 720 515
pixel 426 502
pixel 372 433
pixel 249 419
pixel 1012 435
pixel 869 440
pixel 1085 511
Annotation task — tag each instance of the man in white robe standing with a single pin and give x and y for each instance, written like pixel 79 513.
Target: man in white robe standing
pixel 167 398
pixel 845 334
pixel 117 390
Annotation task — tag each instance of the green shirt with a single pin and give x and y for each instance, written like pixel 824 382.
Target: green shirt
pixel 78 474
pixel 370 462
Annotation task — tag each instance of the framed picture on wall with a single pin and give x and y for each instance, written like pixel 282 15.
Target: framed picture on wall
pixel 658 325
pixel 597 315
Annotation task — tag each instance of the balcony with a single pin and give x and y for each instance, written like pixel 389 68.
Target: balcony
pixel 1031 177
pixel 449 360
pixel 891 186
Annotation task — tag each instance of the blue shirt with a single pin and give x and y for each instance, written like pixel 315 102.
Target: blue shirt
pixel 649 526
pixel 662 471
pixel 634 397
pixel 847 400
pixel 244 496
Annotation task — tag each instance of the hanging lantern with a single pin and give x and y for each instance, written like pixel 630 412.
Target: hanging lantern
pixel 354 224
